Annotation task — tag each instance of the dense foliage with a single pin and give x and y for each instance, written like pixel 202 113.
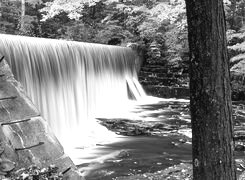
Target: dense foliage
pixel 146 22
pixel 235 15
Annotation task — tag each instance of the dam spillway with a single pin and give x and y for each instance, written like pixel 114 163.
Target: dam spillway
pixel 71 83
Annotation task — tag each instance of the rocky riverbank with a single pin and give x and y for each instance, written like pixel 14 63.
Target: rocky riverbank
pixel 169 122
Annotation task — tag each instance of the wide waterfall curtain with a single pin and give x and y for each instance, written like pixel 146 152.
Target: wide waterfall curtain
pixel 71 82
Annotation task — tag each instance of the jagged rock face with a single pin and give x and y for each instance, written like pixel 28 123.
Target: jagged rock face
pixel 25 137
pixel 5 164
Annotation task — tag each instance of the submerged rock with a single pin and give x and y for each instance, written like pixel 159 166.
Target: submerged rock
pixel 182 171
pixel 239 147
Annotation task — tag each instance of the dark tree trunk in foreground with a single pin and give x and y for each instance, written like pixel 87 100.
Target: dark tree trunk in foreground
pixel 211 109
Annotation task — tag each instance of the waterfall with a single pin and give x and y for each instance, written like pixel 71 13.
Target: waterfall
pixel 71 82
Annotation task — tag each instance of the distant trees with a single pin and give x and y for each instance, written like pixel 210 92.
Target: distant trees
pixel 10 14
pixel 17 17
pixel 117 22
pixel 155 26
pixel 235 14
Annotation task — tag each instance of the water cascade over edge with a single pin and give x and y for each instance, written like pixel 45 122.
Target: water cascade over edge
pixel 71 83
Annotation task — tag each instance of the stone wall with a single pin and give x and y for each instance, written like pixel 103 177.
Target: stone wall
pixel 164 81
pixel 25 137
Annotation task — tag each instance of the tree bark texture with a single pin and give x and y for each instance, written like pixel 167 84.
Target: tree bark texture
pixel 210 92
pixel 23 11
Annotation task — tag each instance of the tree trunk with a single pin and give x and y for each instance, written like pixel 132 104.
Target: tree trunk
pixel 23 10
pixel 210 92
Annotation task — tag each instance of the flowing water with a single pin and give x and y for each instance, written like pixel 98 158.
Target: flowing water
pixel 167 144
pixel 71 83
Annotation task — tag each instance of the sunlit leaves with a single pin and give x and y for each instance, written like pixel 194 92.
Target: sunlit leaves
pixel 73 8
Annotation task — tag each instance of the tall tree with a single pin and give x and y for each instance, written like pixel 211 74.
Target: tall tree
pixel 210 100
pixel 23 11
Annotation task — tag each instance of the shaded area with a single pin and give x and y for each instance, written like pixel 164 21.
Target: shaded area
pixel 156 144
pixel 136 155
pixel 156 140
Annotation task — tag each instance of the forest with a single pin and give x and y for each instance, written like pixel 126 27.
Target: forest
pixel 184 56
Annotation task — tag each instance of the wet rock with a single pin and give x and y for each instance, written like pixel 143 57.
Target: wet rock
pixel 183 140
pixel 162 126
pixel 176 172
pixel 142 128
pixel 123 154
pixel 175 143
pixel 165 91
pixel 239 147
